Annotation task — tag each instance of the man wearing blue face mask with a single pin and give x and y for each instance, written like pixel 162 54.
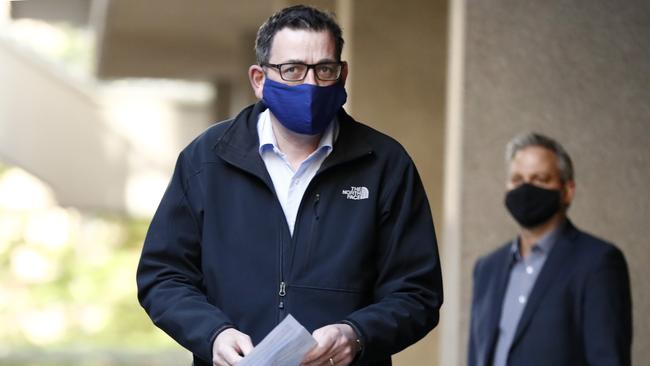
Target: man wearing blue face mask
pixel 293 207
pixel 555 295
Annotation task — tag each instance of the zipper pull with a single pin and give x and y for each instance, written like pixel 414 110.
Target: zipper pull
pixel 282 289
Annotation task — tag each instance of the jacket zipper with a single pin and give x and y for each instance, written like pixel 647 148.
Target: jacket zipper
pixel 282 293
pixel 283 285
pixel 311 239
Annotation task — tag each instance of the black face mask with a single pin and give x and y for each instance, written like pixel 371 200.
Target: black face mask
pixel 531 205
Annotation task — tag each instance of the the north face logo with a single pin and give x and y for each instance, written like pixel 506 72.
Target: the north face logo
pixel 356 193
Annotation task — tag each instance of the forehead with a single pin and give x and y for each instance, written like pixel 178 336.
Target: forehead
pixel 302 45
pixel 534 160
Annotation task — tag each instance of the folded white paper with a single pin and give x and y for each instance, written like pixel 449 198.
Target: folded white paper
pixel 286 345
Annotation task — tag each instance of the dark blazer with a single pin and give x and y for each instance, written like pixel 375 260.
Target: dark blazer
pixel 579 311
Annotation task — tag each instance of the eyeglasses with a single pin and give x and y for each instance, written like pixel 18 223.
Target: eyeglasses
pixel 297 71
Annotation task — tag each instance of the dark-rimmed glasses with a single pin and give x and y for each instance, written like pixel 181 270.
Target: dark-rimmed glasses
pixel 297 71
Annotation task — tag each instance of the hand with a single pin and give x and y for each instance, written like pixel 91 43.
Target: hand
pixel 229 346
pixel 336 342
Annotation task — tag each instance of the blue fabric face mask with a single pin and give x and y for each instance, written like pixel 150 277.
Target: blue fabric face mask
pixel 305 109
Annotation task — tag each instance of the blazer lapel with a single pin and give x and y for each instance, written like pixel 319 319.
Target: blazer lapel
pixel 496 304
pixel 558 258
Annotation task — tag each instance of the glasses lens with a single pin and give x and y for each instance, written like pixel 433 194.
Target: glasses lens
pixel 293 72
pixel 328 71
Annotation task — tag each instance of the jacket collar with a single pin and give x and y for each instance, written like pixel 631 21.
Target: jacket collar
pixel 239 144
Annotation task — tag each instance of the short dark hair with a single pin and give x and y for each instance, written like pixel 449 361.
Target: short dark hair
pixel 296 17
pixel 519 142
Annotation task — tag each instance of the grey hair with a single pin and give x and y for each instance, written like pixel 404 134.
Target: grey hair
pixel 519 142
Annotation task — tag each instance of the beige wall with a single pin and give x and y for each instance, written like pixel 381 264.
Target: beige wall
pixel 578 71
pixel 397 85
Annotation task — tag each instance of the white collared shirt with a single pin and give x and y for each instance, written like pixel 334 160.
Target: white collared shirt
pixel 290 185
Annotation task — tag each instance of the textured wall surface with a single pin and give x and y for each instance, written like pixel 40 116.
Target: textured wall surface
pixel 578 71
pixel 397 85
pixel 397 78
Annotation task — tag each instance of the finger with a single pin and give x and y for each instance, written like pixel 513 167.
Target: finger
pixel 341 359
pixel 322 359
pixel 219 361
pixel 230 355
pixel 245 345
pixel 308 356
pixel 317 362
pixel 326 337
pixel 319 352
pixel 332 340
pixel 312 357
pixel 317 356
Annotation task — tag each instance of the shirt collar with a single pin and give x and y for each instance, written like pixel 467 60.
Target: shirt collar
pixel 544 244
pixel 268 140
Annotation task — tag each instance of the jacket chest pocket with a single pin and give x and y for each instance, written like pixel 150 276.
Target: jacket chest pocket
pixel 334 241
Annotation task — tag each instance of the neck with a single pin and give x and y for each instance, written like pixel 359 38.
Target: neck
pixel 530 236
pixel 295 146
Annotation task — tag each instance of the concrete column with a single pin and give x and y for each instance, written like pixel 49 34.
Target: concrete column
pixel 578 71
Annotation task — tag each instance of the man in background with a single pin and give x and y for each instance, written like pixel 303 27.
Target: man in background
pixel 555 295
pixel 293 207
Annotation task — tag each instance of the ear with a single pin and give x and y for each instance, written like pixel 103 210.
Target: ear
pixel 344 72
pixel 256 77
pixel 568 192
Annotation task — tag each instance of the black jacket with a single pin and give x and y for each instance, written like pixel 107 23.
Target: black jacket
pixel 363 251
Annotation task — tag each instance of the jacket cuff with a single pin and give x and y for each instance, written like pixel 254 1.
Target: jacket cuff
pixel 360 339
pixel 215 334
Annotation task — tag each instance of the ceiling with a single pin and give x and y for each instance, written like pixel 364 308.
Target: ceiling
pixel 191 39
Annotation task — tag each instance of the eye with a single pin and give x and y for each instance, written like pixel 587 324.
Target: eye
pixel 516 179
pixel 327 71
pixel 293 70
pixel 541 179
pixel 324 69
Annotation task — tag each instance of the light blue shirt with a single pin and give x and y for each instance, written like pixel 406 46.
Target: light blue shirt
pixel 523 276
pixel 290 185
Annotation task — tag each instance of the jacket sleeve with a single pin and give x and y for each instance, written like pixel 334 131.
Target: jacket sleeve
pixel 169 276
pixel 408 290
pixel 607 312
